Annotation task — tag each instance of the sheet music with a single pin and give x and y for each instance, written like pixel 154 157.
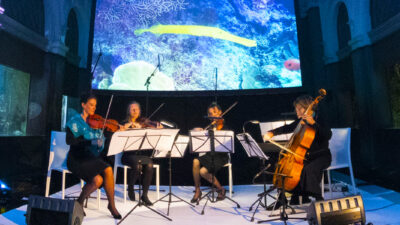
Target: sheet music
pixel 142 139
pixel 250 146
pixel 178 148
pixel 266 126
pixel 200 141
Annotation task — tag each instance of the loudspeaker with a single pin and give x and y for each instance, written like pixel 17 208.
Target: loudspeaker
pixel 52 211
pixel 341 211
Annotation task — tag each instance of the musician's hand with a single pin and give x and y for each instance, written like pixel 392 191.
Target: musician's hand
pixel 122 128
pixel 99 142
pixel 132 125
pixel 127 125
pixel 309 119
pixel 267 136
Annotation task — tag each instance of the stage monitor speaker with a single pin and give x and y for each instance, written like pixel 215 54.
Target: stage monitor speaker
pixel 52 211
pixel 341 211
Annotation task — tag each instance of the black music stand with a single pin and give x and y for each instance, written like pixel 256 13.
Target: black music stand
pixel 283 216
pixel 142 139
pixel 212 141
pixel 253 150
pixel 177 151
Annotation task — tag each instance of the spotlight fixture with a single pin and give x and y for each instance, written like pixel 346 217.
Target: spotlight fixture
pixel 1 9
pixel 4 186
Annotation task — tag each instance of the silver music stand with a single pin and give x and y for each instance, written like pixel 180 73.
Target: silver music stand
pixel 142 139
pixel 212 141
pixel 177 151
pixel 253 150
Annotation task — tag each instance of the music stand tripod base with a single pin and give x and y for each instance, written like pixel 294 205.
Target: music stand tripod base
pixel 140 203
pixel 223 140
pixel 141 139
pixel 283 216
pixel 253 150
pixel 177 151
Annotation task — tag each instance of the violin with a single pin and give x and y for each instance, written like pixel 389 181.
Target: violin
pixel 145 123
pixel 96 121
pixel 219 124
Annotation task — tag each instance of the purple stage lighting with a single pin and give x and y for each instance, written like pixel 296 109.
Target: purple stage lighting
pixel 1 10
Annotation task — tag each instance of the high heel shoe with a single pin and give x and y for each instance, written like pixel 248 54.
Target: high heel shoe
pixel 116 215
pixel 194 199
pixel 221 194
pixel 81 205
pixel 146 200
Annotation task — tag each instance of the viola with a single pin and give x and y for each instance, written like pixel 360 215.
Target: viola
pixel 96 121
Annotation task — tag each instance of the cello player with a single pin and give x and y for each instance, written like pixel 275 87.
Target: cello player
pixel 318 157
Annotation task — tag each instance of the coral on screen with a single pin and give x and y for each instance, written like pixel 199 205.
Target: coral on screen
pixel 249 44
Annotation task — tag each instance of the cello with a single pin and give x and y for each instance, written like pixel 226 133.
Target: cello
pixel 292 156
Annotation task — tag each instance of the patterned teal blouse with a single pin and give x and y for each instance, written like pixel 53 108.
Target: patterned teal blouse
pixel 80 128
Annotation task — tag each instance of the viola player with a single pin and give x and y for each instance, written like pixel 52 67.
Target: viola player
pixel 202 165
pixel 317 158
pixel 84 157
pixel 131 158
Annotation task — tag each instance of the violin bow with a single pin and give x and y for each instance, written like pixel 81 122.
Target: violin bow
pixel 108 111
pixel 226 111
pixel 284 148
pixel 159 107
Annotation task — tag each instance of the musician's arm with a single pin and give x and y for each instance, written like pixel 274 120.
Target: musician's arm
pixel 323 131
pixel 72 140
pixel 285 128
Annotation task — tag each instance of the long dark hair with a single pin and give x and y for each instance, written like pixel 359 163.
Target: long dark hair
pixel 86 96
pixel 212 105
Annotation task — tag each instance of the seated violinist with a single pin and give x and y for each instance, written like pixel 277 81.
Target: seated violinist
pixel 318 156
pixel 84 159
pixel 131 158
pixel 202 166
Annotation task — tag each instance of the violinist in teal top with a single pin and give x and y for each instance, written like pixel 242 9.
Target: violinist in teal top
pixel 84 156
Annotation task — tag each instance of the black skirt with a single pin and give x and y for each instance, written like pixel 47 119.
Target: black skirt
pixel 132 158
pixel 86 168
pixel 220 159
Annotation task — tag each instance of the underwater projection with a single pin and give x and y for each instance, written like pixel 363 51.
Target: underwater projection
pixel 14 96
pixel 243 44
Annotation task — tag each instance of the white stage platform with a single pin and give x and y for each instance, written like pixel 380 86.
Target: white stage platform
pixel 382 206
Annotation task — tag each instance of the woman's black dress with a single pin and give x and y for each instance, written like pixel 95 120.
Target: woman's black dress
pixel 132 158
pixel 220 159
pixel 318 158
pixel 81 161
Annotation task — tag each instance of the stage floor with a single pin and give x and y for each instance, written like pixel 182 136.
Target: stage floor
pixel 382 206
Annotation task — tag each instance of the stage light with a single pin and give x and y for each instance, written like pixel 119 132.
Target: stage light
pixel 1 10
pixel 4 186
